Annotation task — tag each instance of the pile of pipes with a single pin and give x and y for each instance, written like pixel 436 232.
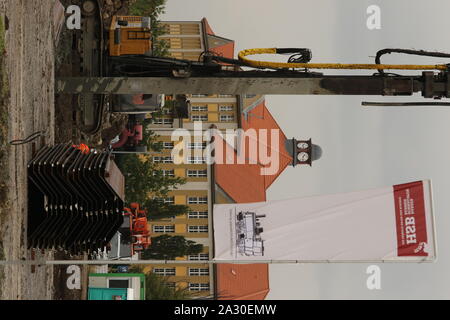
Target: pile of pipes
pixel 75 199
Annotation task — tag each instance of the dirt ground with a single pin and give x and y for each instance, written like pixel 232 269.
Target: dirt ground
pixel 30 70
pixel 32 62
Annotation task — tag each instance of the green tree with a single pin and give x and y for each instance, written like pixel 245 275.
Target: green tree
pixel 153 9
pixel 148 8
pixel 157 210
pixel 143 177
pixel 157 288
pixel 167 247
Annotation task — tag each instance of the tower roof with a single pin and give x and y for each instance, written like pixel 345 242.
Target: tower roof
pixel 248 182
pixel 220 46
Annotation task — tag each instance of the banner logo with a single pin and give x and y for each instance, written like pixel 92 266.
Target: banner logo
pixel 410 219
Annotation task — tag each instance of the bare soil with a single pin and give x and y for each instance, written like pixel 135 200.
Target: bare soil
pixel 31 63
pixel 29 66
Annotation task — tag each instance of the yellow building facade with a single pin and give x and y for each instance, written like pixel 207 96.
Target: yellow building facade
pixel 188 40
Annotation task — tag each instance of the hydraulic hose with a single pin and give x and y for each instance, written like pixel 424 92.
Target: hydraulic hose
pixel 283 65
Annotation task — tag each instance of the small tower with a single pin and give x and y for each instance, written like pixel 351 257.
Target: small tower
pixel 303 152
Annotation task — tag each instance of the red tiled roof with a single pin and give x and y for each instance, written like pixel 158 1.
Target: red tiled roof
pixel 242 182
pixel 260 118
pixel 226 49
pixel 242 282
pixel 245 182
pixel 207 26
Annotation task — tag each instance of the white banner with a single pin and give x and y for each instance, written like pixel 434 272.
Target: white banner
pixel 386 224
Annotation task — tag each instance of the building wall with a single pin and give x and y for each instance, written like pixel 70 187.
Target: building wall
pixel 186 41
pixel 223 111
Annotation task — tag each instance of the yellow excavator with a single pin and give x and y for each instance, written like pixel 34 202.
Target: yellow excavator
pixel 97 44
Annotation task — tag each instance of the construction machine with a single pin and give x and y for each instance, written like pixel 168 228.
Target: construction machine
pixel 133 236
pixel 97 44
pixel 118 63
pixel 139 228
pixel 117 59
pixel 130 139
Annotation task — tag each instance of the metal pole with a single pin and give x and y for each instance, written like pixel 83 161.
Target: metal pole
pixel 404 104
pixel 181 262
pixel 135 262
pixel 265 84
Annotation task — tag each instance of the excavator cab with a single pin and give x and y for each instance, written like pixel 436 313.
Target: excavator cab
pixel 129 35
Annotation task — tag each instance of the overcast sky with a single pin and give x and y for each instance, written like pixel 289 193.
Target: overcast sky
pixel 363 147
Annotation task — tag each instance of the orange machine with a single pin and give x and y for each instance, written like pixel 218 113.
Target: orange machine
pixel 140 234
pixel 129 35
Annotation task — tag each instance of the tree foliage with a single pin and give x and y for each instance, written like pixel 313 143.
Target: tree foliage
pixel 153 9
pixel 143 178
pixel 157 288
pixel 157 210
pixel 167 247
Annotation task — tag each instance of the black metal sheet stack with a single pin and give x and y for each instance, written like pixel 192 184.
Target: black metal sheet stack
pixel 72 204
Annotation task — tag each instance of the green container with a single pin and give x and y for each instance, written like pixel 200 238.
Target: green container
pixel 107 294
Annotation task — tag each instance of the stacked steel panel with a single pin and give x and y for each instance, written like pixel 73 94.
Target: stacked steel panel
pixel 75 199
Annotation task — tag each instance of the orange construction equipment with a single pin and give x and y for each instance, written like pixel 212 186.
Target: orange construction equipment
pixel 140 233
pixel 129 35
pixel 83 148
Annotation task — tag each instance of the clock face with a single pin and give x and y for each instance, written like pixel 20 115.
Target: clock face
pixel 303 145
pixel 303 157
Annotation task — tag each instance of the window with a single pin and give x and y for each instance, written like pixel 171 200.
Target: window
pixel 168 200
pixel 226 108
pixel 165 173
pixel 198 229
pixel 196 160
pixel 164 271
pixel 118 283
pixel 165 121
pixel 249 96
pixel 199 257
pixel 171 285
pixel 225 95
pixel 166 111
pixel 198 271
pixel 198 200
pixel 162 160
pixel 203 117
pixel 199 108
pixel 197 145
pixel 199 95
pixel 197 173
pixel 164 229
pixel 198 215
pixel 168 173
pixel 198 286
pixel 226 118
pixel 168 145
